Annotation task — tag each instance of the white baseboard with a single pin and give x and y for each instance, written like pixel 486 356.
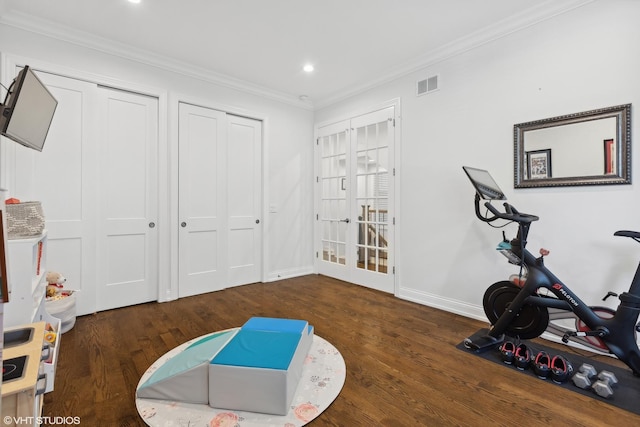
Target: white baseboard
pixel 453 306
pixel 288 274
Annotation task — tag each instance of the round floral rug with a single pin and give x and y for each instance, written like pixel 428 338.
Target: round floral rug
pixel 323 376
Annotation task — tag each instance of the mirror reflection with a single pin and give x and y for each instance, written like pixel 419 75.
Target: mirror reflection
pixel 587 148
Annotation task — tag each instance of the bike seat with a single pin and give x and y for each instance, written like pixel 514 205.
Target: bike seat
pixel 627 233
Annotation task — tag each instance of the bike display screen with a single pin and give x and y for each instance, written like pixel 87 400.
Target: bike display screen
pixel 484 184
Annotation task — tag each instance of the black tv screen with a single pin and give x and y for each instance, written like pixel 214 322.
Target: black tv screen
pixel 28 110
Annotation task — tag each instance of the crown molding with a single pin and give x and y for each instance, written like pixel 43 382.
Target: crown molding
pixel 543 11
pixel 86 40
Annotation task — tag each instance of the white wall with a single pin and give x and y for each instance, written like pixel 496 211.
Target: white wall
pixel 288 133
pixel 578 61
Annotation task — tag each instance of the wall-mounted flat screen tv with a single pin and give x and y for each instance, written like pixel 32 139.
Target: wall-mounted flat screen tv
pixel 26 115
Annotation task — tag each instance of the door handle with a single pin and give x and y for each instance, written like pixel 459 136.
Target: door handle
pixel 257 221
pixel 152 224
pixel 347 220
pixel 183 224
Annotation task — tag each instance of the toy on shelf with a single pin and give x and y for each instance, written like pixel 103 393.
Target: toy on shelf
pixel 50 334
pixel 55 286
pixel 60 302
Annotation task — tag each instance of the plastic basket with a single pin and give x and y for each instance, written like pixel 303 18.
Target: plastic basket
pixel 63 309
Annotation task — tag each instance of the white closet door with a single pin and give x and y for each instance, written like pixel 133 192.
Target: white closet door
pixel 202 200
pixel 244 184
pixel 64 178
pixel 97 181
pixel 128 237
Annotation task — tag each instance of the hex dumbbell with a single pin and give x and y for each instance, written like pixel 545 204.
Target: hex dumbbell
pixel 584 377
pixel 604 386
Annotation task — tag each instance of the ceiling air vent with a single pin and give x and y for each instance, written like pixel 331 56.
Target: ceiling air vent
pixel 427 85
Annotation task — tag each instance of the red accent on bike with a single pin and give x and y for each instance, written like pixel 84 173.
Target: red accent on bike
pixel 603 313
pixel 518 281
pixel 557 286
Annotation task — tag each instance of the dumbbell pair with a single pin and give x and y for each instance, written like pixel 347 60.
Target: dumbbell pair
pixel 602 386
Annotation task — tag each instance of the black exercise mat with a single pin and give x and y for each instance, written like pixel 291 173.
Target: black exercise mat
pixel 626 393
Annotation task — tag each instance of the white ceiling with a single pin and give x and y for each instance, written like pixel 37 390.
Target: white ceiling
pixel 262 45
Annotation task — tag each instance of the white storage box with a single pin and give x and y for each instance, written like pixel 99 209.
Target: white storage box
pixel 260 368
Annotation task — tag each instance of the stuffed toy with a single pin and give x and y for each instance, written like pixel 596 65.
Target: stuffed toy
pixel 55 283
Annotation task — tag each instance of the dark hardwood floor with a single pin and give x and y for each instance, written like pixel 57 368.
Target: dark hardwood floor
pixel 402 365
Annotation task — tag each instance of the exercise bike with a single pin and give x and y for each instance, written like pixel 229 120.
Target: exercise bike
pixel 527 305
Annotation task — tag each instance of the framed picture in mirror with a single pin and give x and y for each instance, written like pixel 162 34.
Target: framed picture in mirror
pixel 539 164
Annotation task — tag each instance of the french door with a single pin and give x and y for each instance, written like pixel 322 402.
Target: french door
pixel 356 202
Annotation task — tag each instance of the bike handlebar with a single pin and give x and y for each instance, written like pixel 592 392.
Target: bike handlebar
pixel 510 213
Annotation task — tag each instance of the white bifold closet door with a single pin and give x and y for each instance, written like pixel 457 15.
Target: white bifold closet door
pixel 128 236
pixel 220 197
pixel 244 186
pixel 97 180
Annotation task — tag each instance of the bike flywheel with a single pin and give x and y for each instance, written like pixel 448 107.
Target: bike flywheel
pixel 530 322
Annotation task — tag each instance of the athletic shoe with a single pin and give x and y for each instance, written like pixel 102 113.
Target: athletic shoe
pixel 561 369
pixel 541 365
pixel 508 349
pixel 522 357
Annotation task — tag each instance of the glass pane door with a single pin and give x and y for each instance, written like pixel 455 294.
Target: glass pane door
pixel 355 231
pixel 372 196
pixel 334 215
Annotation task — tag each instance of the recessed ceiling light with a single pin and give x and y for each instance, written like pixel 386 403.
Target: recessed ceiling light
pixel 308 68
pixel 135 1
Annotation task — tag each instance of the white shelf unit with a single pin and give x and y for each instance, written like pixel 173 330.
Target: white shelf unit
pixel 26 271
